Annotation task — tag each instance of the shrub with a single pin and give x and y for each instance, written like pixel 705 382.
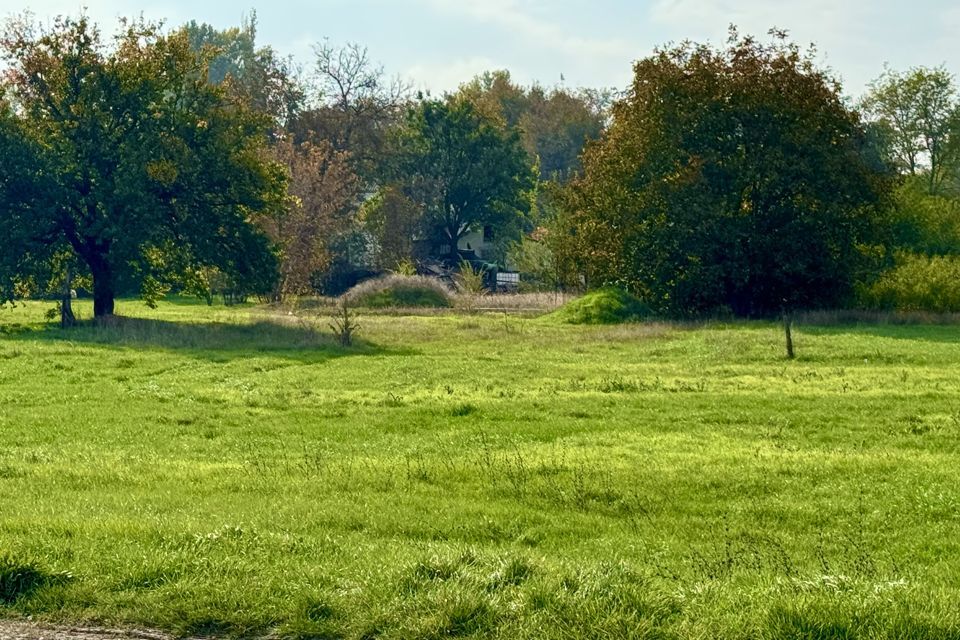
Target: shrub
pixel 470 281
pixel 609 305
pixel 400 291
pixel 917 283
pixel 343 325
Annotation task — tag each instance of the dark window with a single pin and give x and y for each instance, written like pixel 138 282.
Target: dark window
pixel 488 233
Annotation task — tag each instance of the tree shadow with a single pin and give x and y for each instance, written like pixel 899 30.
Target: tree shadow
pixel 214 341
pixel 941 333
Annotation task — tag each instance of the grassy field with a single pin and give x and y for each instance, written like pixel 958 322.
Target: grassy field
pixel 224 471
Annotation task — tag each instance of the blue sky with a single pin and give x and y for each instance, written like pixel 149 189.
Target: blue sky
pixel 440 43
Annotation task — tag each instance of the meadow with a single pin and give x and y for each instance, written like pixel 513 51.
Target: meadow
pixel 233 471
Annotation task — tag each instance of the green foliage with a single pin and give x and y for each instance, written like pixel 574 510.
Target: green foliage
pixel 394 221
pixel 554 124
pixel 256 75
pixel 405 267
pixel 732 179
pixel 536 263
pixel 463 171
pixel 132 161
pixel 917 283
pixel 924 223
pixel 609 305
pixel 917 114
pixel 470 280
pixel 396 291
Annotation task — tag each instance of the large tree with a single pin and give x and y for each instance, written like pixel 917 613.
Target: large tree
pixel 734 178
pixel 464 171
pixel 130 160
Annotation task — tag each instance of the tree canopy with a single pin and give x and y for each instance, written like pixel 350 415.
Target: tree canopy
pixel 128 159
pixel 734 178
pixel 463 170
pixel 918 115
pixel 554 124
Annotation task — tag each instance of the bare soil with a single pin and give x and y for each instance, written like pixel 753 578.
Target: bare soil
pixel 10 630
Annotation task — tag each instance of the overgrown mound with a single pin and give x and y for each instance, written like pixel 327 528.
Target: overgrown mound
pixel 609 305
pixel 396 291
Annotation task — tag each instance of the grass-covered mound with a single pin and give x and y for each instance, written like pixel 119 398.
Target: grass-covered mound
pixel 396 291
pixel 609 305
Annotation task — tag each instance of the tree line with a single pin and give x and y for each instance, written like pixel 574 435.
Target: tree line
pixel 731 179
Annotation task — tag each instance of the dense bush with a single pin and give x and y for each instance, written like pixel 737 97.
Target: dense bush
pixel 918 283
pixel 609 305
pixel 400 291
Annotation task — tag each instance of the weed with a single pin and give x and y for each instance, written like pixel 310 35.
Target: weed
pixel 344 325
pixel 462 410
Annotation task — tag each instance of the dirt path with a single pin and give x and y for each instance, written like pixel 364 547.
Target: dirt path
pixel 30 631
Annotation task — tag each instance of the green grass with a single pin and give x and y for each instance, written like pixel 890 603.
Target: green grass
pixel 222 471
pixel 609 305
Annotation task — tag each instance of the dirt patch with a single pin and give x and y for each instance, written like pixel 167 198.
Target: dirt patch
pixel 31 631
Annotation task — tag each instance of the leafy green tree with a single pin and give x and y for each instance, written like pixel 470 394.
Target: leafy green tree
pixel 554 124
pixel 257 75
pixel 919 113
pixel 732 178
pixel 129 159
pixel 464 172
pixel 394 221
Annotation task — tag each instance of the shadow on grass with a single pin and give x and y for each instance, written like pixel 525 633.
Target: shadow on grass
pixel 917 332
pixel 215 341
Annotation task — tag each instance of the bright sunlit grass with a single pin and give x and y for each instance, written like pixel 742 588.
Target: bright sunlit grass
pixel 233 471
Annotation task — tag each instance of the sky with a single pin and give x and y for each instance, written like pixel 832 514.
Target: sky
pixel 438 44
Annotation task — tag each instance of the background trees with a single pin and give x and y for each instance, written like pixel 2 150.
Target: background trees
pixel 728 179
pixel 322 201
pixel 735 179
pixel 463 171
pixel 553 124
pixel 919 118
pixel 149 172
pixel 916 117
pixel 256 75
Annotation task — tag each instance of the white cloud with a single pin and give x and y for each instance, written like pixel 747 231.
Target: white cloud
pixel 512 16
pixel 440 76
pixel 841 29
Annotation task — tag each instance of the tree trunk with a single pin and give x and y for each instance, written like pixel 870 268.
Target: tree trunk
pixel 103 292
pixel 67 318
pixel 787 327
pixel 454 239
